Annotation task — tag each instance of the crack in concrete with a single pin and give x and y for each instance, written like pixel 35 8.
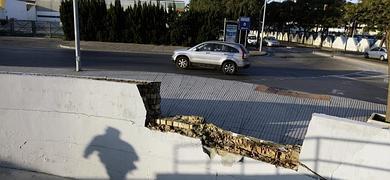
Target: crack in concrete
pixel 65 112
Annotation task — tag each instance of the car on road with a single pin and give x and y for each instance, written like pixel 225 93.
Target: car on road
pixel 377 53
pixel 229 57
pixel 270 41
pixel 252 40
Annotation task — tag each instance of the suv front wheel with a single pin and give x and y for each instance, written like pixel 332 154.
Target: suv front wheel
pixel 182 62
pixel 229 68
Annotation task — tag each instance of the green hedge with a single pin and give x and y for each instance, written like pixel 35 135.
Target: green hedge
pixel 144 23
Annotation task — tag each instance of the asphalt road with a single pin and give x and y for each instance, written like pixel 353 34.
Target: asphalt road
pixel 289 68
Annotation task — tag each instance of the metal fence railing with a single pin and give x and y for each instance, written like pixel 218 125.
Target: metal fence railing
pixel 30 28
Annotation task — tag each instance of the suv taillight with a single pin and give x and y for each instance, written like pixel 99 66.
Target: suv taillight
pixel 244 55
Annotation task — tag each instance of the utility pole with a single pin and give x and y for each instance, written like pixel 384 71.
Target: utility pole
pixel 262 26
pixel 224 29
pixel 76 34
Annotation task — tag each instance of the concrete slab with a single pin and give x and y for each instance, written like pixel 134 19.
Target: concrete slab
pixel 338 148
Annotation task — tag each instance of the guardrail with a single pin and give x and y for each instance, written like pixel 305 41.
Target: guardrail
pixel 30 28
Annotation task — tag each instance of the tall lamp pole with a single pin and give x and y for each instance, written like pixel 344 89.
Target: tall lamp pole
pixel 76 34
pixel 262 26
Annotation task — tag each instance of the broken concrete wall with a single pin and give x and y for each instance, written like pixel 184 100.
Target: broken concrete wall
pixel 339 148
pixel 94 129
pixel 225 141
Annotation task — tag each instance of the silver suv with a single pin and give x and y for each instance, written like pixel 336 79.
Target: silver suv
pixel 227 56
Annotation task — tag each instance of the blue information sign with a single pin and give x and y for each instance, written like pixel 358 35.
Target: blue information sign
pixel 245 23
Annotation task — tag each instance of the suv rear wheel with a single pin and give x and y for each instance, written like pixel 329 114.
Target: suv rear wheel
pixel 229 68
pixel 182 62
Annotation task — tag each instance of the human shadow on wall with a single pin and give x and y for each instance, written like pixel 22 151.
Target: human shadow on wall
pixel 117 155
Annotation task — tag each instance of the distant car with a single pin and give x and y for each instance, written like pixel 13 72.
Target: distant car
pixel 377 53
pixel 252 40
pixel 230 57
pixel 271 41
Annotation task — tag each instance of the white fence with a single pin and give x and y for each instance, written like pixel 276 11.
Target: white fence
pixel 337 43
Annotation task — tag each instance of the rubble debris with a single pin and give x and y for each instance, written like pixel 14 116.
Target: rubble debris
pixel 222 141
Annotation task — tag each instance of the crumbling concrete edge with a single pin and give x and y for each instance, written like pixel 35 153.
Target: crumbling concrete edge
pixel 150 94
pixel 219 141
pixel 215 140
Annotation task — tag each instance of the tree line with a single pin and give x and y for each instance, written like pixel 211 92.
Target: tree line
pixel 144 23
pixel 203 19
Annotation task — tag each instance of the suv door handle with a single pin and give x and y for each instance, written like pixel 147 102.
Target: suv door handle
pixel 207 52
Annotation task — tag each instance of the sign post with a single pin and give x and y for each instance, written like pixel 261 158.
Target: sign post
pixel 76 34
pixel 245 24
pixel 262 26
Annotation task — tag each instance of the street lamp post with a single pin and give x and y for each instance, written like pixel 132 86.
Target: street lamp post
pixel 76 34
pixel 262 26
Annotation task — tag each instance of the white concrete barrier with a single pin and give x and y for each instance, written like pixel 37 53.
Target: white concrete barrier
pixel 291 37
pixel 352 44
pixel 339 148
pixel 280 36
pixel 378 43
pixel 328 42
pixel 94 129
pixel 285 37
pixel 309 40
pixel 301 39
pixel 295 38
pixel 364 45
pixel 317 41
pixel 339 43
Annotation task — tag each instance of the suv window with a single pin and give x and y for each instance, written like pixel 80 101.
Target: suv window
pixel 205 47
pixel 229 49
pixel 375 49
pixel 218 47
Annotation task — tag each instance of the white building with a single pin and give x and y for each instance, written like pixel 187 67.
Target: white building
pixel 48 10
pixel 32 10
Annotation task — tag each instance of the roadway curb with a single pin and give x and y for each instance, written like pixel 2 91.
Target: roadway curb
pixel 119 51
pixel 366 65
pixel 257 53
pixel 66 47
